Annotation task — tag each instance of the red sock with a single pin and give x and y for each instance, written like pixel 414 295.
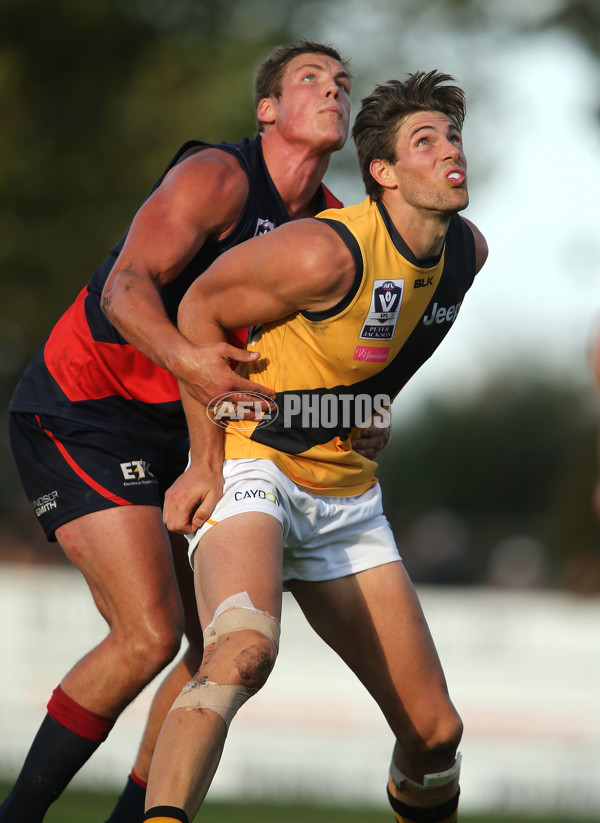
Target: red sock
pixel 78 720
pixel 139 781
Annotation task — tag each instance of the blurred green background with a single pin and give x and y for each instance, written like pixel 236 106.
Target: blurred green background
pixel 77 807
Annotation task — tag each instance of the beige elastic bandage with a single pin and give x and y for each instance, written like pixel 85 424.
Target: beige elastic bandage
pixel 435 789
pixel 237 613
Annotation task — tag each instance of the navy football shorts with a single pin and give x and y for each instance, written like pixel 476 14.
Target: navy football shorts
pixel 69 469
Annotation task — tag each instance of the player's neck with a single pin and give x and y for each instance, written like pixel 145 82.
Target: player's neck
pixel 296 171
pixel 423 231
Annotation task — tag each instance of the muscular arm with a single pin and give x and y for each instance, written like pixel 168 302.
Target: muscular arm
pixel 200 198
pixel 481 246
pixel 302 265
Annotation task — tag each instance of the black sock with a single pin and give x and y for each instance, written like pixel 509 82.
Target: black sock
pixel 444 813
pixel 130 805
pixel 166 811
pixel 55 757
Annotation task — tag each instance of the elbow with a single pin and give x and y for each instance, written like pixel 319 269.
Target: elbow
pixel 106 303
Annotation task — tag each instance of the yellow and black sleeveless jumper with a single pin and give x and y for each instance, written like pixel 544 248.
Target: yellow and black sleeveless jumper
pixel 329 367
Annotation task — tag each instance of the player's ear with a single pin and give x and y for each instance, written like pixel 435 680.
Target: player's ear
pixel 265 112
pixel 381 173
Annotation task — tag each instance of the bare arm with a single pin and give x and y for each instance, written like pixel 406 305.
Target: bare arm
pixel 200 198
pixel 302 265
pixel 481 246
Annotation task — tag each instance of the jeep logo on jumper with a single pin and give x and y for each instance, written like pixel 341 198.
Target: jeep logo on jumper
pixel 441 314
pixel 381 320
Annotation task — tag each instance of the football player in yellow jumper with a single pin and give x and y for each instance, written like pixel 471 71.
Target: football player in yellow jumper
pixel 351 303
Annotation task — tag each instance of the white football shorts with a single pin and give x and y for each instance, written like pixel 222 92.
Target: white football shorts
pixel 324 537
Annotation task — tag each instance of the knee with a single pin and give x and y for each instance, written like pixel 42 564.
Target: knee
pixel 234 668
pixel 152 644
pixel 244 658
pixel 434 746
pixel 241 646
pixel 254 662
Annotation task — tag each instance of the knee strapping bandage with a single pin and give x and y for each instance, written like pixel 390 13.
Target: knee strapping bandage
pixel 233 615
pixel 435 789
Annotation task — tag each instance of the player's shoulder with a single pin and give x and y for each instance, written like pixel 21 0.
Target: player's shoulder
pixel 481 246
pixel 313 234
pixel 212 171
pixel 320 252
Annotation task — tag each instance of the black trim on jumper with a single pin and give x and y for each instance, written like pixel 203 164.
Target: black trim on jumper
pixel 352 243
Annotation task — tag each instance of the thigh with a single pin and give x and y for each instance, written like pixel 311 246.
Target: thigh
pixel 374 621
pixel 242 553
pixel 124 554
pixel 185 580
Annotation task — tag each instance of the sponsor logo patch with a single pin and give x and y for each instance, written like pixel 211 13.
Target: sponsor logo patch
pixel 257 494
pixel 137 473
pixel 386 299
pixel 441 314
pixel 371 354
pixel 44 503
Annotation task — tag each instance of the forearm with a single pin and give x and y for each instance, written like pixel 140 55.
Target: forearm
pixel 206 437
pixel 134 306
pixel 191 499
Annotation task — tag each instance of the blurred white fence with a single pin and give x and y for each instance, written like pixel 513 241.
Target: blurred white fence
pixel 523 670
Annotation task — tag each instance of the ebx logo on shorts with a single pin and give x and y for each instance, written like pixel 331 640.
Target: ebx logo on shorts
pixel 381 320
pixel 257 494
pixel 44 503
pixel 138 472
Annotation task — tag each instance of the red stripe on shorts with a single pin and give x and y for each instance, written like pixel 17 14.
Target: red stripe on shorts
pixel 120 501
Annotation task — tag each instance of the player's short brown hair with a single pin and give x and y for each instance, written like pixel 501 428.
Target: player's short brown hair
pixel 383 111
pixel 268 76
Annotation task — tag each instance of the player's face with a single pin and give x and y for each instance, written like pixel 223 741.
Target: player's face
pixel 314 105
pixel 431 167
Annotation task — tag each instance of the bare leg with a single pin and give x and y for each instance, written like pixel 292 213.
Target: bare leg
pixel 183 670
pixel 125 557
pixel 240 554
pixel 374 621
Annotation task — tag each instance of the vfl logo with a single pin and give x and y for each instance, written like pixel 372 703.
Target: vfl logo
pixel 381 320
pixel 263 226
pixel 136 470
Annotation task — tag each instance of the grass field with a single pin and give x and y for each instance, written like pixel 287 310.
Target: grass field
pixel 91 807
